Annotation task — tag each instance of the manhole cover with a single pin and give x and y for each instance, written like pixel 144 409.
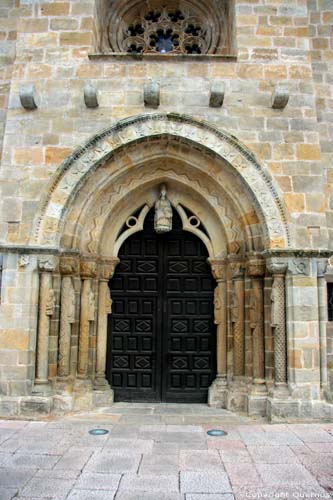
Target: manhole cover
pixel 98 432
pixel 216 432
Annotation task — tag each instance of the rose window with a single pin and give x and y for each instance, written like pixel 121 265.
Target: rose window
pixel 174 27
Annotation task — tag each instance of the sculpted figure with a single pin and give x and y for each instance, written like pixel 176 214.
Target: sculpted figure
pixel 50 303
pixel 163 213
pixel 91 306
pixel 218 307
pixel 234 307
pixel 274 305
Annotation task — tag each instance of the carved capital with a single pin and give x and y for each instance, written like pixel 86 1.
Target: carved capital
pixel 107 268
pixel 277 265
pixel 48 263
pixel 69 265
pixel 219 269
pixel 321 267
pixel 24 261
pixel 299 266
pixel 236 270
pixel 255 267
pixel 88 268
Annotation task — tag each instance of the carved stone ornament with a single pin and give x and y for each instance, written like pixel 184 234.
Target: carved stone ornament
pixel 24 261
pixel 28 97
pixel 218 306
pixel 234 307
pixel 275 305
pixel 107 268
pixel 236 270
pixel 218 269
pixel 69 265
pixel 48 264
pixel 299 266
pixel 277 266
pixel 255 267
pixel 163 213
pixel 50 303
pixel 88 268
pixel 90 96
pixel 91 306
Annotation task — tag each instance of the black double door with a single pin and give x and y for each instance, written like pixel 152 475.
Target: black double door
pixel 162 338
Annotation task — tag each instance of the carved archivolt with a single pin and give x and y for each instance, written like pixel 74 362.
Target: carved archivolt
pixel 70 178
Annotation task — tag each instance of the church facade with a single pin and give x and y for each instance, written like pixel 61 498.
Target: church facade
pixel 166 216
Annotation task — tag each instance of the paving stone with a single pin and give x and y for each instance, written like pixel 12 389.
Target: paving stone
pixel 272 455
pixel 184 428
pixel 57 474
pixel 7 493
pixel 97 481
pixel 91 495
pixel 113 463
pixel 221 444
pixel 321 447
pixel 200 460
pixel 286 475
pixel 243 474
pixel 204 482
pixel 203 496
pixel 235 455
pixel 313 436
pixel 57 488
pixel 11 477
pixel 144 495
pixel 271 438
pixel 159 464
pixel 31 461
pixel 165 449
pixel 165 483
pixel 74 459
pixel 136 445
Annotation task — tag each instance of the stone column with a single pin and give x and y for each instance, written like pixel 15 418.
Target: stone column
pixel 322 312
pixel 106 271
pixel 69 267
pixel 237 316
pixel 256 270
pixel 46 309
pixel 88 271
pixel 278 269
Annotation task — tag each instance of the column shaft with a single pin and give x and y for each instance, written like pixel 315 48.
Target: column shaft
pixel 45 311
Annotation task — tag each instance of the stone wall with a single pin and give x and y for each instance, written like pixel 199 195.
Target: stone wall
pixel 280 43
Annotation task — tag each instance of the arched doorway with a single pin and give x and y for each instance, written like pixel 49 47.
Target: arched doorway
pixel 162 337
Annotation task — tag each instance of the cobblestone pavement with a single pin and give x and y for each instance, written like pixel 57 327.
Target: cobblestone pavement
pixel 163 452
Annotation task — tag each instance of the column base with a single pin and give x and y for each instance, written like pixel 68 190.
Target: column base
pixel 257 405
pixel 237 396
pixel 217 393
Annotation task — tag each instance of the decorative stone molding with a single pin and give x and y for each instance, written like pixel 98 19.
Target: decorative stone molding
pixel 68 178
pixel 217 92
pixel 28 97
pixel 280 98
pixel 90 96
pixel 151 94
pixel 236 270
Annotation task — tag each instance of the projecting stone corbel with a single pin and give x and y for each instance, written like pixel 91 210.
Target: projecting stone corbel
pixel 151 94
pixel 90 96
pixel 217 93
pixel 280 98
pixel 28 97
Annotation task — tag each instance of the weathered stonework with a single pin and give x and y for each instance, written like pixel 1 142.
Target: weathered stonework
pixel 251 179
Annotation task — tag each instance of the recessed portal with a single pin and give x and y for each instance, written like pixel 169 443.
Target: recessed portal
pixel 162 337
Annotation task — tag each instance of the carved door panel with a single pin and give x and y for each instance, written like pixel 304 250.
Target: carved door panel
pixel 161 343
